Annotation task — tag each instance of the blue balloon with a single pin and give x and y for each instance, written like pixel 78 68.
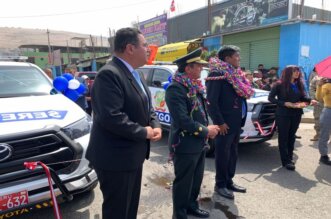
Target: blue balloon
pixel 81 89
pixel 60 83
pixel 68 76
pixel 72 94
pixel 165 85
pixel 170 78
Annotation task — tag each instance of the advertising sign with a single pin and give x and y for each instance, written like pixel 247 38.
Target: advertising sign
pixel 243 14
pixel 155 30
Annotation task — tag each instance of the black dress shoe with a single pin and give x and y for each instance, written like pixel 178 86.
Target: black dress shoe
pixel 224 192
pixel 236 188
pixel 325 160
pixel 290 166
pixel 198 213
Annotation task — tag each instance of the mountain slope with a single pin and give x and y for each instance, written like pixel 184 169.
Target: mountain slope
pixel 11 38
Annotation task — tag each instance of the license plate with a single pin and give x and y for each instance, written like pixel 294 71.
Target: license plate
pixel 13 200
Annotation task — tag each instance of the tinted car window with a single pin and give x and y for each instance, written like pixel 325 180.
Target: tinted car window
pixel 23 81
pixel 160 76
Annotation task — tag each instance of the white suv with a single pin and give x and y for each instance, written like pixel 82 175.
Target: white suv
pixel 37 123
pixel 260 120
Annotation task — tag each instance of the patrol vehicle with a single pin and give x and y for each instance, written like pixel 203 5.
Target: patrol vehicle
pixel 260 122
pixel 38 123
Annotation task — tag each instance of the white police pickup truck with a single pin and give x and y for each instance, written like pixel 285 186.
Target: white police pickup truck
pixel 37 123
pixel 260 122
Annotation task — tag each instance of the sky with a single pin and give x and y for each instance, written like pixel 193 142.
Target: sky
pixel 96 17
pixel 89 17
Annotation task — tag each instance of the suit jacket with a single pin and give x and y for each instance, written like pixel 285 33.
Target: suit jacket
pixel 225 105
pixel 121 111
pixel 188 133
pixel 279 91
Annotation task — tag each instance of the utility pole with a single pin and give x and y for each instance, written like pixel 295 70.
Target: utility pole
pixel 323 12
pixel 209 16
pixel 50 60
pixel 109 41
pixel 101 50
pixel 302 6
pixel 68 53
pixel 92 44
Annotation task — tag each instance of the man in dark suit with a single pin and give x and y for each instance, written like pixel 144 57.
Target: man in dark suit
pixel 189 134
pixel 228 110
pixel 124 123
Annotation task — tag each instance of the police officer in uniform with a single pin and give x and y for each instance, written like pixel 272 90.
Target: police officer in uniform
pixel 185 98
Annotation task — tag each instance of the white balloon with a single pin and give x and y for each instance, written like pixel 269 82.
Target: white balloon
pixel 73 84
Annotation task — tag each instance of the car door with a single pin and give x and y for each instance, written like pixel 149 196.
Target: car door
pixel 158 78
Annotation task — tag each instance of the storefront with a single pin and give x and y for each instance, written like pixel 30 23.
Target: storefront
pixel 257 47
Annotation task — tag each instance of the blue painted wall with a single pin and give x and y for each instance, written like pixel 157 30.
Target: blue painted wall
pixel 289 45
pixel 212 43
pixel 313 35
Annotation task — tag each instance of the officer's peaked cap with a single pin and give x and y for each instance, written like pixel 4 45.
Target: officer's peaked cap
pixel 192 57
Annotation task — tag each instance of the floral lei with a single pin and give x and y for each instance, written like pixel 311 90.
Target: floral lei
pixel 234 76
pixel 195 87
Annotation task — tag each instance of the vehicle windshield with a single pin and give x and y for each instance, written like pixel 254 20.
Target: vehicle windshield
pixel 23 81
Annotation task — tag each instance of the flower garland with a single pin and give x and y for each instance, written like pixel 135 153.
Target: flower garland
pixel 234 76
pixel 195 87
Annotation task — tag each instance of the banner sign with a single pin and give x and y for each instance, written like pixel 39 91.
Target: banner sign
pixel 155 30
pixel 243 14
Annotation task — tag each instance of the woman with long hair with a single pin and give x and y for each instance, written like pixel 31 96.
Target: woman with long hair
pixel 290 97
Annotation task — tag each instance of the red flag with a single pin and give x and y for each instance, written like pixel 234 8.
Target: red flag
pixel 172 6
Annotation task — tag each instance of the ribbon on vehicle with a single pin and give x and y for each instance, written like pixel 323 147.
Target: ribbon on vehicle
pixel 32 166
pixel 262 132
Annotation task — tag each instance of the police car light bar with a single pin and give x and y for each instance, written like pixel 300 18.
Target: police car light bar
pixel 13 58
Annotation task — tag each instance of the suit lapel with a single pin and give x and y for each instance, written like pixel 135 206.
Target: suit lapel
pixel 134 83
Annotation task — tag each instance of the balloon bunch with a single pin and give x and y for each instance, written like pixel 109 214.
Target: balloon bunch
pixel 166 84
pixel 69 86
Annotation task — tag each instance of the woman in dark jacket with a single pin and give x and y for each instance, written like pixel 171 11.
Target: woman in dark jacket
pixel 290 97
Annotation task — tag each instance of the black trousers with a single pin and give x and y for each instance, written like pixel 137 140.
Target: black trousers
pixel 189 170
pixel 287 127
pixel 121 192
pixel 226 155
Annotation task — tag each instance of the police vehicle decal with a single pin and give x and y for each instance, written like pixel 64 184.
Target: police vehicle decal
pixel 163 117
pixel 34 115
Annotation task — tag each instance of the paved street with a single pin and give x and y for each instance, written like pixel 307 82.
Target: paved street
pixel 273 192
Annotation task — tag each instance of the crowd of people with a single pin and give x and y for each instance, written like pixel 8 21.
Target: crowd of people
pixel 121 134
pixel 262 78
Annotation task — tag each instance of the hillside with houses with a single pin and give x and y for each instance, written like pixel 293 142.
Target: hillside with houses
pixel 11 38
